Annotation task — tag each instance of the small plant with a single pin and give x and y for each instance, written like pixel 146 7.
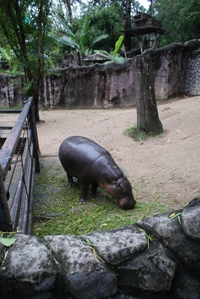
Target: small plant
pixel 135 133
pixel 7 239
pixel 114 56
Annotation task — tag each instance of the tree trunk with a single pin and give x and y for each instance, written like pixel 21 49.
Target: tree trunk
pixel 68 4
pixel 147 113
pixel 127 25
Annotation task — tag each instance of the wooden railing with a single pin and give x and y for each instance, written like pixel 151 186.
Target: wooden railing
pixel 19 161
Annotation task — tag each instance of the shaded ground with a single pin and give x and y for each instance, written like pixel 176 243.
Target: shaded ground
pixel 168 165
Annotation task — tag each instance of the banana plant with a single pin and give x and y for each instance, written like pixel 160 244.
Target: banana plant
pixel 80 41
pixel 114 56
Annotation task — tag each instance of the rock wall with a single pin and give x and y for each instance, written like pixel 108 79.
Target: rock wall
pixel 176 70
pixel 192 80
pixel 92 86
pixel 157 258
pixel 11 90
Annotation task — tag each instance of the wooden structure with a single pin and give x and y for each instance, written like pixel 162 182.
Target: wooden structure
pixel 145 24
pixel 19 161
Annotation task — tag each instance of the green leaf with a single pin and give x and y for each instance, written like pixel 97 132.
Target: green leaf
pixel 99 38
pixel 118 44
pixel 66 40
pixel 7 241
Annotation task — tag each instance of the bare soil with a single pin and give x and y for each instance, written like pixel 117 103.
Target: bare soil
pixel 167 166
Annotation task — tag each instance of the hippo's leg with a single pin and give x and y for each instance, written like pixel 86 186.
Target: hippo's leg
pixel 84 191
pixel 94 190
pixel 70 180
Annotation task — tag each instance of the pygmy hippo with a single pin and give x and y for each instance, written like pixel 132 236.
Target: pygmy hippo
pixel 92 164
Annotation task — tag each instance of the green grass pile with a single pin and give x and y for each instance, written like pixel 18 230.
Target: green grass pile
pixel 57 210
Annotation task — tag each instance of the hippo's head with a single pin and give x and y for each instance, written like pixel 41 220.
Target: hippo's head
pixel 121 190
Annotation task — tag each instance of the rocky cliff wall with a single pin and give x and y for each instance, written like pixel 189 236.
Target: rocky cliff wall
pixel 92 86
pixel 176 73
pixel 157 258
pixel 11 90
pixel 192 79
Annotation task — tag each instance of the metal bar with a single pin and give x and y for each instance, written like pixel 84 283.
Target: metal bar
pixel 31 207
pixel 6 127
pixel 27 171
pixel 5 219
pixel 11 111
pixel 14 210
pixel 16 202
pixel 12 171
pixel 11 142
pixel 22 141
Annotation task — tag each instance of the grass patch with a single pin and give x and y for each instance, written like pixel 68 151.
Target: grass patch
pixel 12 108
pixel 135 133
pixel 57 210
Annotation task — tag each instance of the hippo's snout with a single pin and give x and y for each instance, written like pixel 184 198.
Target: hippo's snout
pixel 127 204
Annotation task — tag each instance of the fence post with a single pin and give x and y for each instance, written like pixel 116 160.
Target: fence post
pixel 5 220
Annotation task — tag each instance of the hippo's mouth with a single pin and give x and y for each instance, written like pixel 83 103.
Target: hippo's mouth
pixel 127 204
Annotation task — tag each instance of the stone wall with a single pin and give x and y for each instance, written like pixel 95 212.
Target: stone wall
pixel 92 86
pixel 159 257
pixel 176 70
pixel 11 90
pixel 192 80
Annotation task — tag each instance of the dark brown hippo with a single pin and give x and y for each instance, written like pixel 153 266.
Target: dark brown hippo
pixel 92 164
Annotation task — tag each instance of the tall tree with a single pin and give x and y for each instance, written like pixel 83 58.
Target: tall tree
pixel 69 6
pixel 127 25
pixel 24 25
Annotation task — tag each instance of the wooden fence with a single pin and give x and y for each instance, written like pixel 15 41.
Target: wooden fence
pixel 19 161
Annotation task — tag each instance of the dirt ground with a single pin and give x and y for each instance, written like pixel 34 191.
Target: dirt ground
pixel 167 166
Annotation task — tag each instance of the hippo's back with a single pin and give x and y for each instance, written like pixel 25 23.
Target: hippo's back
pixel 77 153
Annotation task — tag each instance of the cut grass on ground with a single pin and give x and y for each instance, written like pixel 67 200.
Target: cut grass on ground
pixel 57 210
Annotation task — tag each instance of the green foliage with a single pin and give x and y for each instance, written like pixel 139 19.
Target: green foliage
pixel 107 19
pixel 114 56
pixel 23 25
pixel 10 59
pixel 118 45
pixel 180 19
pixel 81 40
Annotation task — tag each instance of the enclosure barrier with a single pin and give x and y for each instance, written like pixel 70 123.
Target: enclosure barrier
pixel 19 161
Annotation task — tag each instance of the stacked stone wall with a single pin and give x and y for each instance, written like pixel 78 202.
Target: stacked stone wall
pixel 156 258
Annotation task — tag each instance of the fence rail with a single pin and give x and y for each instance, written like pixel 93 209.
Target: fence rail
pixel 19 161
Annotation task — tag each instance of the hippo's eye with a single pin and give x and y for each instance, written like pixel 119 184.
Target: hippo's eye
pixel 115 184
